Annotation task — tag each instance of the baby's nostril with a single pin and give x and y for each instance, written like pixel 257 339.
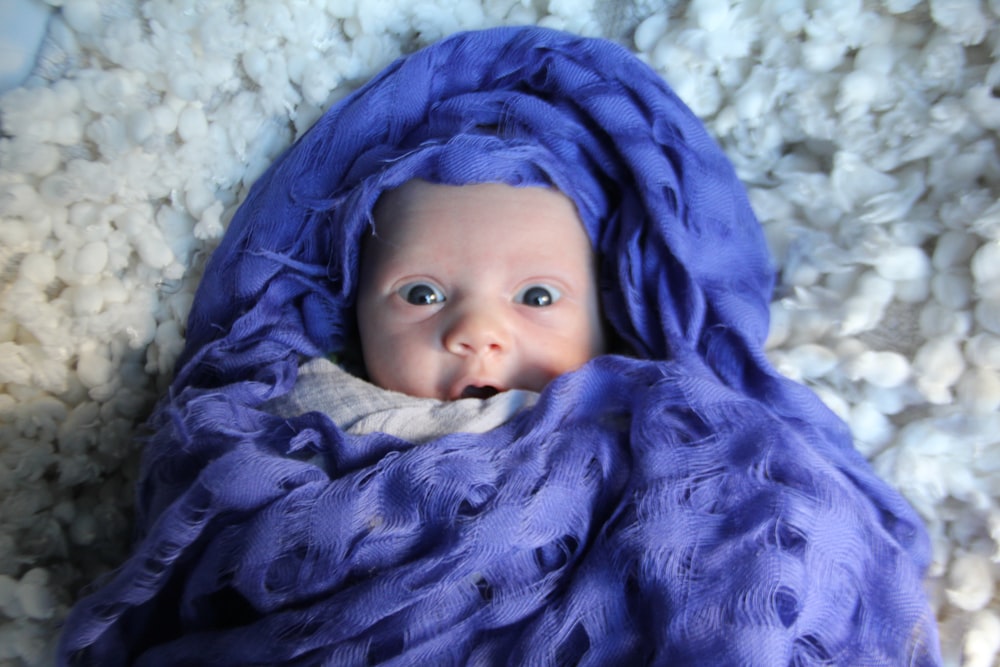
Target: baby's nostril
pixel 473 391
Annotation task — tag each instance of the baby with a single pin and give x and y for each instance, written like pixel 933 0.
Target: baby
pixel 467 291
pixel 479 291
pixel 682 505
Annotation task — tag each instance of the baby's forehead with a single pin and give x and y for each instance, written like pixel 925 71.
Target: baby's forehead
pixel 499 226
pixel 460 207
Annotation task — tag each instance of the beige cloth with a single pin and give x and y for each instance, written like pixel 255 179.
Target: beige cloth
pixel 359 407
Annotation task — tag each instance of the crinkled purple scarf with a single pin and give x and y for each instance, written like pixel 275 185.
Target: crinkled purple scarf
pixel 684 505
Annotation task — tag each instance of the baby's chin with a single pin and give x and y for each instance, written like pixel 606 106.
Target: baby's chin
pixel 486 390
pixel 476 391
pixel 483 389
pixel 481 392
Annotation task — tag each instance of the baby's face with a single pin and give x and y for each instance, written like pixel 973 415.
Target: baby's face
pixel 470 290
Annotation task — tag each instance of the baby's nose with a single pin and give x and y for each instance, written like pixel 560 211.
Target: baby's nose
pixel 476 331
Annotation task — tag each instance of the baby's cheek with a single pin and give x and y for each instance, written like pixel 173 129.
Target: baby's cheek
pixel 380 354
pixel 410 367
pixel 583 345
pixel 558 362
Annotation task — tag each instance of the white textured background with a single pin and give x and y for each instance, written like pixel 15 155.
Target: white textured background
pixel 865 131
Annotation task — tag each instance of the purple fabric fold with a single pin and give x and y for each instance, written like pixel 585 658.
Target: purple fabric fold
pixel 681 505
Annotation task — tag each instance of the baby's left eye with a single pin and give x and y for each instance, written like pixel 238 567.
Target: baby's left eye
pixel 422 294
pixel 538 296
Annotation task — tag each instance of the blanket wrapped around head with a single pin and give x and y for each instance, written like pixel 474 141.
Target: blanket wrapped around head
pixel 679 505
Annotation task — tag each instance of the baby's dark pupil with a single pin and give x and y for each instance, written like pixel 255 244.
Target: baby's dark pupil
pixel 421 295
pixel 537 296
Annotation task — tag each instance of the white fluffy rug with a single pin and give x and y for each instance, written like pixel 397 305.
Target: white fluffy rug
pixel 866 132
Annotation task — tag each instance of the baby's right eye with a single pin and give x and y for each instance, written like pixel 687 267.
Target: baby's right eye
pixel 421 294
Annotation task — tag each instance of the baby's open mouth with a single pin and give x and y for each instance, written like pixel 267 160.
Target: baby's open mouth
pixel 473 391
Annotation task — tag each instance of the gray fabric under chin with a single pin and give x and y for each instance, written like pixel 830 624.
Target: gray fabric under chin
pixel 360 407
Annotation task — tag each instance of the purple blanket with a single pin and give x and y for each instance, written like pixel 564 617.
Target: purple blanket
pixel 681 505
